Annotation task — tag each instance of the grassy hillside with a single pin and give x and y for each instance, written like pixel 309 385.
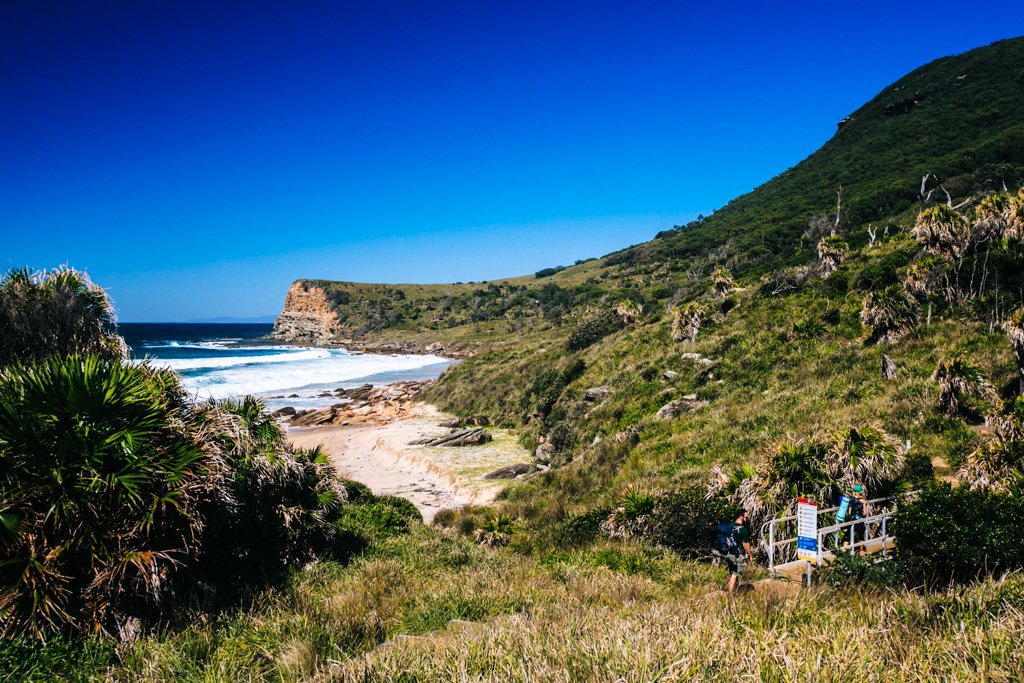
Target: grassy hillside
pixel 957 118
pixel 602 369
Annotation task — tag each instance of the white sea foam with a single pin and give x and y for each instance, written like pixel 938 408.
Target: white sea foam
pixel 284 372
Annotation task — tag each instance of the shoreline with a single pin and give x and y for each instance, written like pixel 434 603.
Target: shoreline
pixel 380 456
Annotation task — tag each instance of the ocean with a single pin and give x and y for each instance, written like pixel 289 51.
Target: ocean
pixel 222 360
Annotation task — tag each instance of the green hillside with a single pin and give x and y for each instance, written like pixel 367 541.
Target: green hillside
pixel 775 349
pixel 957 118
pixel 781 350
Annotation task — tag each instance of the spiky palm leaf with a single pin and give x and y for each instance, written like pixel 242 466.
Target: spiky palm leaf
pixel 101 473
pixel 943 230
pixel 831 252
pixel 865 455
pixel 1014 327
pixel 960 380
pixel 998 463
pixel 888 313
pixel 55 313
pixel 722 282
pixel 629 311
pixel 687 320
pixel 928 275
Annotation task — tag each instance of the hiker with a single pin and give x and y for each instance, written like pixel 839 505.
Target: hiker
pixel 858 511
pixel 733 546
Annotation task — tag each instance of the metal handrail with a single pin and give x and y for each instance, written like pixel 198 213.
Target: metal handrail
pixel 768 528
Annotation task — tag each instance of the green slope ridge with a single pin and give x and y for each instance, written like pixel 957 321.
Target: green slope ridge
pixel 957 118
pixel 780 360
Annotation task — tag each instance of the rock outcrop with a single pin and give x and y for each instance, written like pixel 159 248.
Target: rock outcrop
pixel 307 318
pixel 467 437
pixel 362 404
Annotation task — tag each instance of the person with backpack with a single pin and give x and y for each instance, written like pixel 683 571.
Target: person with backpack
pixel 732 544
pixel 859 510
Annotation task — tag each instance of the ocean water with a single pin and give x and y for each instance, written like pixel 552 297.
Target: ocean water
pixel 225 360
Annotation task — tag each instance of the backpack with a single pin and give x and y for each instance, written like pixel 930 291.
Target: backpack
pixel 725 543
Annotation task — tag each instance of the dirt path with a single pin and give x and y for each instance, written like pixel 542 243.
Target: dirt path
pixel 432 478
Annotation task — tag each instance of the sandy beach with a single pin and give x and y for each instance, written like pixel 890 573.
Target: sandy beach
pixel 433 478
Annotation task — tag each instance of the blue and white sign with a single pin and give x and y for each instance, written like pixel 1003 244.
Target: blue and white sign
pixel 807 530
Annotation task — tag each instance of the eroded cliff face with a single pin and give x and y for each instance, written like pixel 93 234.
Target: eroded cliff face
pixel 307 318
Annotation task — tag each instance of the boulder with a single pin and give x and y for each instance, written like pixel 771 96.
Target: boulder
pixel 510 471
pixel 543 452
pixel 478 421
pixel 690 397
pixel 283 412
pixel 453 423
pixel 596 393
pixel 669 410
pixel 670 374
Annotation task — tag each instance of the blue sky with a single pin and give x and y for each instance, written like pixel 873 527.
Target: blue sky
pixel 197 157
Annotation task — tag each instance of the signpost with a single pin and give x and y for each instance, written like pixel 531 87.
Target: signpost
pixel 807 530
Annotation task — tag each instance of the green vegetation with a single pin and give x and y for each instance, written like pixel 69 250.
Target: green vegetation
pixel 124 504
pixel 794 343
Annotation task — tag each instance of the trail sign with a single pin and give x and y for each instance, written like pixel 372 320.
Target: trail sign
pixel 807 530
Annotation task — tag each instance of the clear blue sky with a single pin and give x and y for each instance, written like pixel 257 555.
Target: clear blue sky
pixel 197 157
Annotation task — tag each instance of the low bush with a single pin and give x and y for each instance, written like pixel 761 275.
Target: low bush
pixel 582 528
pixel 855 570
pixel 956 534
pixel 593 329
pixel 684 520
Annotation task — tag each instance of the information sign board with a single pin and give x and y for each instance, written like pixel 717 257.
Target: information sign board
pixel 807 530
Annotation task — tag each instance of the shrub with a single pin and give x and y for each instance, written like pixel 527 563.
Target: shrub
pixel 685 520
pixel 852 569
pixel 402 506
pixel 592 329
pixel 955 534
pixel 548 272
pixel 374 521
pixel 582 528
pixel 358 493
pixel 99 483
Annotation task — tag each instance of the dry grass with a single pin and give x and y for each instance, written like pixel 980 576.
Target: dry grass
pixel 430 607
pixel 815 635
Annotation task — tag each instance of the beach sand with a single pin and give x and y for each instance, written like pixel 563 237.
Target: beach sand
pixel 433 478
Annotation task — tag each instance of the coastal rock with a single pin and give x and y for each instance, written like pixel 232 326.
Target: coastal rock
pixel 283 412
pixel 596 393
pixel 308 316
pixel 453 423
pixel 510 471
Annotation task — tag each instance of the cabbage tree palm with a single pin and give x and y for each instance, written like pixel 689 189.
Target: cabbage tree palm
pixel 865 455
pixel 1014 327
pixel 687 320
pixel 831 252
pixel 888 313
pixel 959 381
pixel 98 477
pixel 55 313
pixel 998 463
